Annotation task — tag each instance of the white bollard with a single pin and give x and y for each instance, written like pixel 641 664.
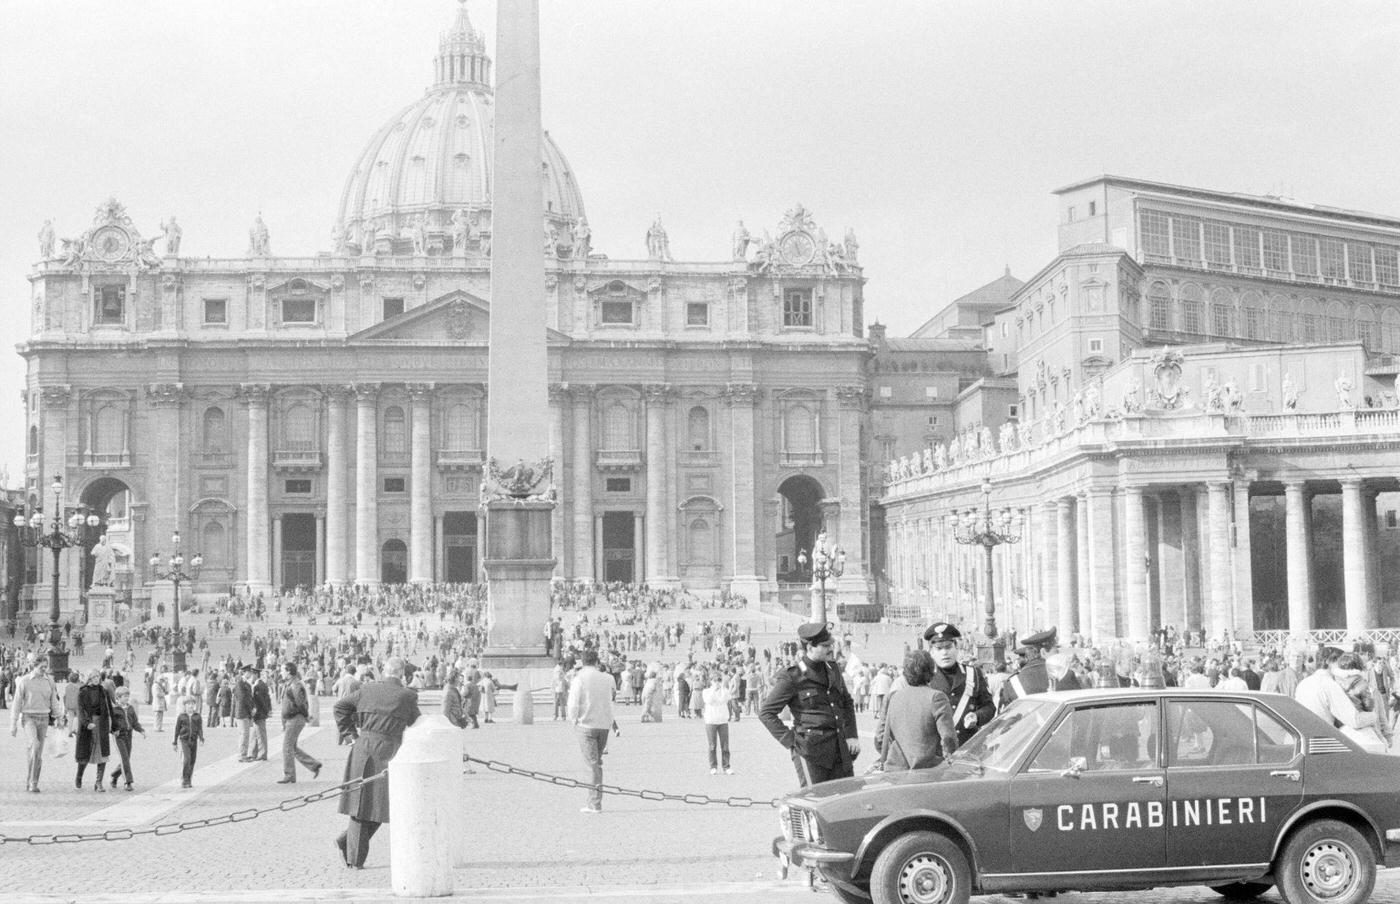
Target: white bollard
pixel 524 706
pixel 425 814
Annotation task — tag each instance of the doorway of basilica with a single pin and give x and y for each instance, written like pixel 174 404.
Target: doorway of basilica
pixel 298 550
pixel 619 547
pixel 459 547
pixel 801 520
pixel 393 562
pixel 110 500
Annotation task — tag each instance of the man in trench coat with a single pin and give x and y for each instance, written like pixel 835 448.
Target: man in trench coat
pixel 376 715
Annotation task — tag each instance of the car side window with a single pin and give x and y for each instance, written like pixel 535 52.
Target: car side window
pixel 1101 739
pixel 1225 733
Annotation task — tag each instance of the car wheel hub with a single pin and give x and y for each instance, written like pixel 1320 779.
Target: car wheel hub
pixel 1329 869
pixel 924 880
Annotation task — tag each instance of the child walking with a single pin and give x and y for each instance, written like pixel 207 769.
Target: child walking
pixel 189 734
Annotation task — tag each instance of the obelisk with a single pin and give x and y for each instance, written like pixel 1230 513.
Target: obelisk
pixel 518 486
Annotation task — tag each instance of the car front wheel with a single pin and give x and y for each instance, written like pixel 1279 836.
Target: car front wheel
pixel 1326 862
pixel 921 868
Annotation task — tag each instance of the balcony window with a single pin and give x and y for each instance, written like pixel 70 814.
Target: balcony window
pixel 1156 233
pixel 1246 247
pixel 395 431
pixel 1304 249
pixel 797 308
pixel 216 311
pixel 1186 238
pixel 109 304
pixel 697 313
pixel 1359 263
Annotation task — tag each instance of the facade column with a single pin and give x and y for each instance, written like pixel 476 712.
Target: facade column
pixel 558 400
pixel 439 548
pixel 1373 561
pixel 581 487
pixel 277 581
pixel 657 397
pixel 745 580
pixel 166 512
pixel 1243 572
pixel 599 566
pixel 337 488
pixel 1171 562
pixel 639 553
pixel 1103 584
pixel 366 484
pixel 851 403
pixel 1083 596
pixel 1067 614
pixel 258 552
pixel 1191 558
pixel 420 500
pixel 1354 555
pixel 320 550
pixel 1218 611
pixel 1298 529
pixel 1139 614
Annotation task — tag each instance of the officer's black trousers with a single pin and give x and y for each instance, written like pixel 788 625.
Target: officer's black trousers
pixel 811 772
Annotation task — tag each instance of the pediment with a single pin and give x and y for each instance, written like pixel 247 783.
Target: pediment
pixel 457 318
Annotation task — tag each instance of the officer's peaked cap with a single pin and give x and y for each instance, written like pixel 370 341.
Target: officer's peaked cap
pixel 813 632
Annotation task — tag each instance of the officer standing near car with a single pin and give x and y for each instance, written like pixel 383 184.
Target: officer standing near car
pixel 965 685
pixel 823 737
pixel 1032 677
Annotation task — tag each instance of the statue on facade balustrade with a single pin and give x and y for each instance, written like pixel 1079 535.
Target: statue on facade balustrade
pixel 46 240
pixel 658 243
pixel 1344 387
pixel 928 461
pixel 940 456
pixel 551 239
pixel 259 241
pixel 338 242
pixel 1290 393
pixel 583 239
pixel 173 233
pixel 765 253
pixel 1211 393
pixel 1132 397
pixel 851 246
pixel 987 443
pixel 1024 435
pixel 1059 418
pixel 417 230
pixel 1007 437
pixel 954 451
pixel 461 230
pixel 1093 400
pixel 1231 396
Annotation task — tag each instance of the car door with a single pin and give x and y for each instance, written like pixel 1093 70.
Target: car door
pixel 1234 775
pixel 1092 797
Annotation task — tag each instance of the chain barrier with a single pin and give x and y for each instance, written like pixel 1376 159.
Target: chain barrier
pixel 175 828
pixel 564 781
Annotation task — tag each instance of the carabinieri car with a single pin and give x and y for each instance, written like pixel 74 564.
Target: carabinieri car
pixel 1113 790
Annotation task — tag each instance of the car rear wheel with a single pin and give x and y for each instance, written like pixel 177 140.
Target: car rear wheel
pixel 1242 891
pixel 921 868
pixel 1326 862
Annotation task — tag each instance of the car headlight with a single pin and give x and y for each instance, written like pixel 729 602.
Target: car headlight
pixel 785 818
pixel 814 832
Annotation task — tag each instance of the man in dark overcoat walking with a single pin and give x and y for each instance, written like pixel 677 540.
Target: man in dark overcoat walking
pixel 376 715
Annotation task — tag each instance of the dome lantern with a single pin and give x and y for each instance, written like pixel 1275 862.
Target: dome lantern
pixel 461 58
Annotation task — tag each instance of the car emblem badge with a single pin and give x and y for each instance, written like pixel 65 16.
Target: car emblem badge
pixel 1033 818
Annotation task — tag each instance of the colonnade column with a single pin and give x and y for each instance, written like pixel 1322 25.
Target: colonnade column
pixel 258 551
pixel 277 577
pixel 1103 577
pixel 657 397
pixel 320 573
pixel 1354 555
pixel 1298 530
pixel 1190 560
pixel 337 488
pixel 1171 562
pixel 558 398
pixel 1243 571
pixel 366 484
pixel 420 501
pixel 1139 620
pixel 1083 597
pixel 582 486
pixel 1067 616
pixel 1217 615
pixel 746 581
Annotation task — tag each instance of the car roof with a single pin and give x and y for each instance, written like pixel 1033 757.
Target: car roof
pixel 1302 718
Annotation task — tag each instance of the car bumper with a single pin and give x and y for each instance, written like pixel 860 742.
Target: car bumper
pixel 1392 848
pixel 805 853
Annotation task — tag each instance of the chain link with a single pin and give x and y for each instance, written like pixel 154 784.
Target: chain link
pixel 564 781
pixel 175 828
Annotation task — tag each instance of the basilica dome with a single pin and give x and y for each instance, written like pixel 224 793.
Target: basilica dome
pixel 434 158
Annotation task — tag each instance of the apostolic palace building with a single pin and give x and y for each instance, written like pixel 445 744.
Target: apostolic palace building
pixel 1188 417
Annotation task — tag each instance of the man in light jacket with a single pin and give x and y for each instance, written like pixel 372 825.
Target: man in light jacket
pixel 591 709
pixel 36 703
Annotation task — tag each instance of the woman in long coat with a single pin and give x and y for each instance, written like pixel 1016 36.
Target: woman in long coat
pixel 918 731
pixel 452 699
pixel 94 728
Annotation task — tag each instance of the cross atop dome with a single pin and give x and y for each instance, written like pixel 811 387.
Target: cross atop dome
pixel 461 57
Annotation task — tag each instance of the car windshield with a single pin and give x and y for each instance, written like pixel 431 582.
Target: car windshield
pixel 1000 744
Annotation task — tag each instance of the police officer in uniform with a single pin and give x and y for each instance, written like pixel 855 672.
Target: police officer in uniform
pixel 823 737
pixel 1032 677
pixel 965 686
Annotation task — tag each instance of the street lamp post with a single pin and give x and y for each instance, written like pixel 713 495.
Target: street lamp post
pixel 174 572
pixel 827 563
pixel 82 528
pixel 987 530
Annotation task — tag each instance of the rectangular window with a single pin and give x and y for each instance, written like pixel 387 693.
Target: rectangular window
pixel 395 484
pixel 1186 238
pixel 1161 312
pixel 797 308
pixel 616 312
pixel 1304 254
pixel 930 392
pixel 1387 273
pixel 1275 251
pixel 1013 410
pixel 1332 258
pixel 1390 521
pixel 1253 322
pixel 697 313
pixel 886 392
pixel 1071 213
pixel 1093 208
pixel 1095 346
pixel 1190 316
pixel 933 420
pixel 1220 319
pixel 110 304
pixel 618 484
pixel 1217 243
pixel 1156 233
pixel 216 310
pixel 393 307
pixel 1359 262
pixel 298 487
pixel 298 310
pixel 1246 247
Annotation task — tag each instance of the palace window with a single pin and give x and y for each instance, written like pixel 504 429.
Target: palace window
pixel 1217 243
pixel 1095 346
pixel 618 484
pixel 797 308
pixel 1333 258
pixel 300 486
pixel 1246 247
pixel 1222 314
pixel 460 429
pixel 1387 273
pixel 109 303
pixel 395 431
pixel 697 313
pixel 1186 238
pixel 216 310
pixel 615 313
pixel 1304 254
pixel 1275 251
pixel 1192 307
pixel 395 484
pixel 1253 322
pixel 1359 262
pixel 698 429
pixel 393 307
pixel 1156 233
pixel 617 428
pixel 1160 303
pixel 298 310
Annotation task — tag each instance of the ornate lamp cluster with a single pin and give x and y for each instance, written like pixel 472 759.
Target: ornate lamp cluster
pixel 987 529
pixel 174 571
pixel 82 528
pixel 827 562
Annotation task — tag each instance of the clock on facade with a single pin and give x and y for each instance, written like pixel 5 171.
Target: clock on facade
pixel 109 243
pixel 798 248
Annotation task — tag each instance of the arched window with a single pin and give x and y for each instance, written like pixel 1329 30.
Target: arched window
pixel 1159 302
pixel 1367 327
pixel 299 428
pixel 701 551
pixel 461 428
pixel 119 510
pixel 698 429
pixel 1283 314
pixel 1338 323
pixel 393 562
pixel 107 430
pixel 1192 309
pixel 1390 330
pixel 1256 318
pixel 395 431
pixel 799 430
pixel 617 428
pixel 213 438
pixel 33 440
pixel 215 548
pixel 1310 321
pixel 1222 313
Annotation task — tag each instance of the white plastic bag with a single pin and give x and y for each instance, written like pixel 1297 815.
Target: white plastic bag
pixel 59 742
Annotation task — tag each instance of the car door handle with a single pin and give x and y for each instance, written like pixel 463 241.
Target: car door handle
pixel 1153 780
pixel 1292 775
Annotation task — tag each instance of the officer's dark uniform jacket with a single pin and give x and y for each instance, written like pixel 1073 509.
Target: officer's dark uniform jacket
pixel 824 718
pixel 973 698
pixel 1032 678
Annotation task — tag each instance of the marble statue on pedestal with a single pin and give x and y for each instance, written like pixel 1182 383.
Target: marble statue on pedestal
pixel 259 242
pixel 1290 393
pixel 741 242
pixel 1343 386
pixel 658 243
pixel 173 233
pixel 104 560
pixel 46 240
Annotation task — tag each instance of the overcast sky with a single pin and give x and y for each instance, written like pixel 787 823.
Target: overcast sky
pixel 936 130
